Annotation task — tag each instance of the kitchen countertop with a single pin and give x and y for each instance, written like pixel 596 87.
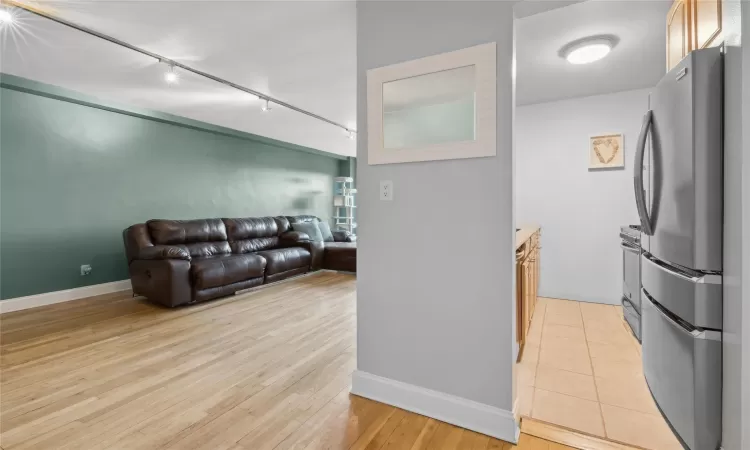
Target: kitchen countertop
pixel 524 233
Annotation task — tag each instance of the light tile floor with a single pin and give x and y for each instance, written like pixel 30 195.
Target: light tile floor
pixel 581 369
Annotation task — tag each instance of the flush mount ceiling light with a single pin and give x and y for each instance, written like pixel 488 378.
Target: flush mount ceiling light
pixel 588 50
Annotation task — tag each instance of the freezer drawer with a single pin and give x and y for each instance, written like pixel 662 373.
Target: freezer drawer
pixel 694 297
pixel 632 317
pixel 682 366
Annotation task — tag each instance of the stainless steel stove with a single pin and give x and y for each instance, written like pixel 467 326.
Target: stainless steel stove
pixel 631 276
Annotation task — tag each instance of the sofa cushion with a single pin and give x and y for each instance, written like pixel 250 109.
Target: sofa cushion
pixel 223 270
pixel 250 228
pixel 254 245
pixel 325 231
pixel 252 234
pixel 283 223
pixel 206 249
pixel 170 232
pixel 310 229
pixel 301 219
pixel 283 259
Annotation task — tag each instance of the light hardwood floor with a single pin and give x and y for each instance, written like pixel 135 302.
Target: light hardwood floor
pixel 269 369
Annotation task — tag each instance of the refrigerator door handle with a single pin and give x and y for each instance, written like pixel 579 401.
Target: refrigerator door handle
pixel 640 194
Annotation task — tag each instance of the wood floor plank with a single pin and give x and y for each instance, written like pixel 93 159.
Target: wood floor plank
pixel 425 435
pixel 446 437
pixel 267 369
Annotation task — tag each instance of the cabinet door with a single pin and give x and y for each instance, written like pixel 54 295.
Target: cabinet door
pixel 527 289
pixel 706 19
pixel 536 273
pixel 532 294
pixel 520 305
pixel 678 32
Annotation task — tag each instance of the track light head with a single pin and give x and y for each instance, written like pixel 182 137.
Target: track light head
pixel 171 76
pixel 266 106
pixel 352 135
pixel 6 16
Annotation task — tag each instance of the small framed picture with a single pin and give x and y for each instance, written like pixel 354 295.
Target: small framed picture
pixel 607 151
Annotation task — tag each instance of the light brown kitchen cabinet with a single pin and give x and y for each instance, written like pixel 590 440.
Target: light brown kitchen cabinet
pixel 692 24
pixel 527 280
pixel 679 42
pixel 706 23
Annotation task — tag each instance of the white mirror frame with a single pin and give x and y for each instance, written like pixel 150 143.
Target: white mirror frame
pixel 483 57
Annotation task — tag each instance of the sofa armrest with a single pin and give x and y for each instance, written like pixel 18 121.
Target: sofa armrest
pixel 292 238
pixel 343 236
pixel 163 252
pixel 300 239
pixel 163 281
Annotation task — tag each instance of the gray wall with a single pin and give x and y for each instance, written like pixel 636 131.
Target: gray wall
pixel 580 211
pixel 736 405
pixel 74 173
pixel 435 265
pixel 736 387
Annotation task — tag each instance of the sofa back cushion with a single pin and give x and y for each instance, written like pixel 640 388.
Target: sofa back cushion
pixel 311 229
pixel 175 232
pixel 202 237
pixel 302 219
pixel 252 234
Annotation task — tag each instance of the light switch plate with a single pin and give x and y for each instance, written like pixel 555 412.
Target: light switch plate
pixel 386 190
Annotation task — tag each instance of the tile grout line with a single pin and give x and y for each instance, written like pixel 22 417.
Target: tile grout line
pixel 593 373
pixel 538 357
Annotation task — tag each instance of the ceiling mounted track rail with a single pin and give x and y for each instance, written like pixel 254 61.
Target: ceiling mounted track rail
pixel 41 13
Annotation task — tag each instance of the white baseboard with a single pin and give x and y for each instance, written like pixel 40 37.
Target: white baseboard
pixel 49 298
pixel 475 416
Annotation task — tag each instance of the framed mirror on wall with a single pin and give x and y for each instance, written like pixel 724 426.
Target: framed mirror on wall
pixel 434 108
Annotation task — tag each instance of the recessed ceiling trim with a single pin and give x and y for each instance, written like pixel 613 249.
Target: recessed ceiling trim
pixel 170 62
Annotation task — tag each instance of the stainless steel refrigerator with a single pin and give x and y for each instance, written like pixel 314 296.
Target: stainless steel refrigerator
pixel 679 197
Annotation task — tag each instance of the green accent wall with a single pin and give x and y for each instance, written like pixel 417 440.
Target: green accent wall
pixel 74 172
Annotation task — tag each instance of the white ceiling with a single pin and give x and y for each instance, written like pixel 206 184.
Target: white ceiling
pixel 304 53
pixel 638 60
pixel 301 52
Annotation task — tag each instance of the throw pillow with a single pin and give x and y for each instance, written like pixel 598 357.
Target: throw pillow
pixel 325 231
pixel 309 228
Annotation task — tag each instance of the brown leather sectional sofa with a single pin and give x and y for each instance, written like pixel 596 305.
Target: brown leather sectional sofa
pixel 177 262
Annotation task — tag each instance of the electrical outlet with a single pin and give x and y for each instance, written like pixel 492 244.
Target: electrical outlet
pixel 386 190
pixel 85 270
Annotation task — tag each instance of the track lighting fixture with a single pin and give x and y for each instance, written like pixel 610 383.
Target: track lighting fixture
pixel 171 76
pixel 6 16
pixel 352 135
